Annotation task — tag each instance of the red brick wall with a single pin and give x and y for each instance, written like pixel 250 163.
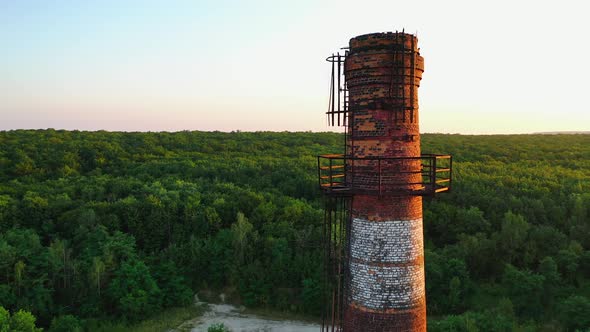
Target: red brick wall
pixel 373 208
pixel 386 286
pixel 359 319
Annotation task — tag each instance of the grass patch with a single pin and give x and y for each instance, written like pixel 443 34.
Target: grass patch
pixel 281 315
pixel 167 319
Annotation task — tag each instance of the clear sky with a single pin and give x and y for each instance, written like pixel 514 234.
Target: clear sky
pixel 491 66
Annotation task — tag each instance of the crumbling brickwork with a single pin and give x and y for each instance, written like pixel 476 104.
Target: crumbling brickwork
pixel 398 241
pixel 361 319
pixel 386 268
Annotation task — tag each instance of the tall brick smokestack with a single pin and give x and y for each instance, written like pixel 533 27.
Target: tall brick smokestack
pixel 373 235
pixel 386 268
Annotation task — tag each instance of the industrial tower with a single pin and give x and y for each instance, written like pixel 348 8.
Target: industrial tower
pixel 373 236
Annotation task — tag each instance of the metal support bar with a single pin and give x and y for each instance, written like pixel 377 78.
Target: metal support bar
pixel 332 93
pixel 338 89
pixel 412 82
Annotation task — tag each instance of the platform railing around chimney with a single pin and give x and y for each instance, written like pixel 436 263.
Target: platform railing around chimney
pixel 425 175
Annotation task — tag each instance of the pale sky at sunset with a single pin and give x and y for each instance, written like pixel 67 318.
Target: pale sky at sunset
pixel 491 66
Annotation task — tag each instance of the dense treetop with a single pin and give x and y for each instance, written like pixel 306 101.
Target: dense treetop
pixel 115 225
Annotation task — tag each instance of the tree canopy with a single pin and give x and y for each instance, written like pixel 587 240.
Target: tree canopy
pixel 120 225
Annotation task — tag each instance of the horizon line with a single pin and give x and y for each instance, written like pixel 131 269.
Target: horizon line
pixel 556 132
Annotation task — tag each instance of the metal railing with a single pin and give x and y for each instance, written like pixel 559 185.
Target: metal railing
pixel 425 175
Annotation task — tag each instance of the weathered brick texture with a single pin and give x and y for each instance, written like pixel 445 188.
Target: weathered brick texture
pixel 386 267
pixel 398 242
pixel 387 207
pixel 363 320
pixel 386 287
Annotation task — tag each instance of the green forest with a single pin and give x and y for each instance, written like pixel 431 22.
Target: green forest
pixel 116 227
